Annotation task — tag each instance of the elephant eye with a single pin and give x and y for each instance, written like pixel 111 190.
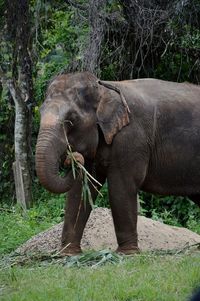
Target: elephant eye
pixel 68 124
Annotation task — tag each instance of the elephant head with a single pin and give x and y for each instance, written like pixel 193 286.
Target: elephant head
pixel 75 109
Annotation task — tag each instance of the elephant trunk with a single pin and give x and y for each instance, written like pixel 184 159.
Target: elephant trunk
pixel 49 150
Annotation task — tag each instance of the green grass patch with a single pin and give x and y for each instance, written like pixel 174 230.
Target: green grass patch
pixel 18 226
pixel 142 277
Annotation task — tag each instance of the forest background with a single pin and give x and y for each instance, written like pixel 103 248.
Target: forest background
pixel 116 40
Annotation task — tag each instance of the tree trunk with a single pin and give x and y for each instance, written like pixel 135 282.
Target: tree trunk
pixel 18 36
pixel 92 57
pixel 22 165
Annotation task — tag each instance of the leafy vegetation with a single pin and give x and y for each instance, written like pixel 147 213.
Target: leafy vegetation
pixel 175 211
pixel 18 226
pixel 57 44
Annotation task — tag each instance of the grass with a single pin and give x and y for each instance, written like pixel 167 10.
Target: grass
pixel 140 278
pixel 18 226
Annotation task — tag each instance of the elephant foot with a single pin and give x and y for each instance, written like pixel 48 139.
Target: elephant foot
pixel 70 250
pixel 129 250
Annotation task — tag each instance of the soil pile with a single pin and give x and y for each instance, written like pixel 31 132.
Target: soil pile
pixel 99 234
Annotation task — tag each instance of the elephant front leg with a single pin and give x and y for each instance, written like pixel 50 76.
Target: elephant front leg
pixel 77 212
pixel 76 216
pixel 123 201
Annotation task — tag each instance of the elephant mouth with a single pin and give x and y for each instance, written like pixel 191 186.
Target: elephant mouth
pixel 63 168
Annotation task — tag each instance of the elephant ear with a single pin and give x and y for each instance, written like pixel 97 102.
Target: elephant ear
pixel 112 112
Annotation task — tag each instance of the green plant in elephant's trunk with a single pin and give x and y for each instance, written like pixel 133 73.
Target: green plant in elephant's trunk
pixel 79 170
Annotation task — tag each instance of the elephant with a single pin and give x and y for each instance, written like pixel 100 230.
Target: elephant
pixel 141 134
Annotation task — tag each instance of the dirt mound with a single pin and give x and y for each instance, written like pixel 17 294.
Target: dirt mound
pixel 99 234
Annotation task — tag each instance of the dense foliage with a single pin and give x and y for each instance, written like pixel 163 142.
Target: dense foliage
pixel 123 39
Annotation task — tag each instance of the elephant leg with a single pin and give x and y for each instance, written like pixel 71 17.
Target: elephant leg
pixel 76 215
pixel 123 201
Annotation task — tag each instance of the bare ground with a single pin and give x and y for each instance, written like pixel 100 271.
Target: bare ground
pixel 99 234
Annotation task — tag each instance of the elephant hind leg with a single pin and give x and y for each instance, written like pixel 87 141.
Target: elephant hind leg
pixel 123 201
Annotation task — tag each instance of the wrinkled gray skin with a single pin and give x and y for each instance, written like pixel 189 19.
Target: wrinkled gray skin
pixel 154 148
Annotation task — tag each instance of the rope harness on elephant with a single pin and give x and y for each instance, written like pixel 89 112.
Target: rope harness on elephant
pixel 114 88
